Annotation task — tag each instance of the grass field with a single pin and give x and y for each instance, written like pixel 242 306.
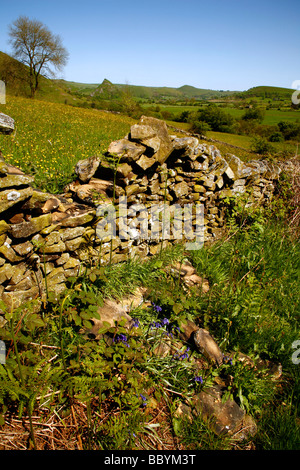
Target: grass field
pixel 50 138
pixel 272 116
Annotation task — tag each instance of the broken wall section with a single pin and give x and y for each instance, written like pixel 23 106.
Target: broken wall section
pixel 45 238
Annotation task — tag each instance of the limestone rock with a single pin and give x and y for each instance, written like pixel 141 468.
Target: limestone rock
pixel 141 132
pixel 187 329
pixel 79 217
pixel 3 227
pixel 8 252
pixel 7 124
pixel 181 189
pixel 93 192
pixel 208 346
pixel 11 181
pixel 34 225
pixel 124 170
pixel 189 275
pixel 7 169
pixel 113 312
pixel 126 150
pixel 50 205
pixel 10 197
pixel 19 297
pixel 72 232
pixel 85 169
pixel 161 130
pixel 145 162
pixel 225 417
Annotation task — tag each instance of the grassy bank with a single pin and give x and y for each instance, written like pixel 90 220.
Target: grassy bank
pixel 66 390
pixel 50 138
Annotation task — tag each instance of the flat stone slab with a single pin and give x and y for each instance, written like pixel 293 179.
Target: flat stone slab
pixel 7 124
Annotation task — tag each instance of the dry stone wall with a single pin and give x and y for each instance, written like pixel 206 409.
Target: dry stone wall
pixel 45 238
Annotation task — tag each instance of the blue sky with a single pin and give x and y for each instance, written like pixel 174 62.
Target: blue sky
pixel 221 44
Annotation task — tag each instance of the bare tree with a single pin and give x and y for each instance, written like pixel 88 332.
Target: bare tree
pixel 35 46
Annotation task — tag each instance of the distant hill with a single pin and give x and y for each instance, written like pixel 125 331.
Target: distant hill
pixel 108 90
pixel 106 94
pixel 267 92
pixel 15 76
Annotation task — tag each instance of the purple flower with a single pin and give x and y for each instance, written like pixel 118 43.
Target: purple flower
pixel 198 379
pixel 144 399
pixel 165 321
pixel 135 323
pixel 227 359
pixel 155 325
pixel 157 308
pixel 184 355
pixel 121 338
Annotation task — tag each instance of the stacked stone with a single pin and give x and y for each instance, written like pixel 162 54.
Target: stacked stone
pixel 45 238
pixel 39 235
pixel 155 167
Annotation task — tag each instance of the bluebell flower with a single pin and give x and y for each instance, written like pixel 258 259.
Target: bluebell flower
pixel 198 379
pixel 144 399
pixel 157 308
pixel 136 323
pixel 227 359
pixel 155 325
pixel 165 321
pixel 121 338
pixel 184 355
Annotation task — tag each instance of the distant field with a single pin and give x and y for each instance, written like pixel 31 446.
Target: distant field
pixel 272 116
pixel 50 138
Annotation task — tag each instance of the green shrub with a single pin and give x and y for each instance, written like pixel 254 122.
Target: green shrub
pixel 261 146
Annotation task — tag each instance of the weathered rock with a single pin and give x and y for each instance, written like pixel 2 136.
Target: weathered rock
pixel 145 162
pixel 18 297
pixel 51 205
pixel 7 124
pixel 10 197
pixel 8 252
pixel 187 329
pixel 208 346
pixel 94 192
pixel 124 170
pixel 112 312
pixel 72 232
pixel 126 150
pixel 141 132
pixel 12 181
pixel 161 130
pixel 189 275
pixel 26 229
pixel 3 226
pixel 85 169
pixel 225 417
pixel 181 189
pixel 132 189
pixel 6 273
pixel 79 217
